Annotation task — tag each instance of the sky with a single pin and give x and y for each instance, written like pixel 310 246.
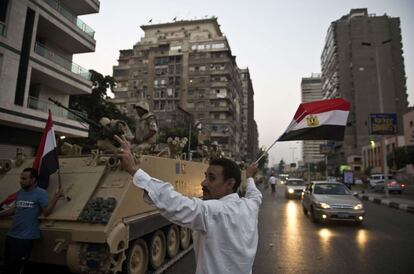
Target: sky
pixel 279 41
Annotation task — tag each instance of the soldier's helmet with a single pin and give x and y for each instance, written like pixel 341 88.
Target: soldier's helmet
pixel 143 105
pixel 214 143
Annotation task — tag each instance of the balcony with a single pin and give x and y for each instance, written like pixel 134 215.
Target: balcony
pixel 44 106
pixel 61 61
pixel 2 29
pixel 72 18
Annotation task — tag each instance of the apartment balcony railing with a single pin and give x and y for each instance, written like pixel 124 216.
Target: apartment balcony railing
pixel 2 29
pixel 44 106
pixel 61 61
pixel 74 19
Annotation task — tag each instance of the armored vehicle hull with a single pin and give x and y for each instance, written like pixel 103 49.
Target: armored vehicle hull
pixel 104 225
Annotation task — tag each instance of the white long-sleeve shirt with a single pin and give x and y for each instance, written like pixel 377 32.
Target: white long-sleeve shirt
pixel 224 231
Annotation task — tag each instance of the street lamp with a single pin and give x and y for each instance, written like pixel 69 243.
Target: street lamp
pixel 381 105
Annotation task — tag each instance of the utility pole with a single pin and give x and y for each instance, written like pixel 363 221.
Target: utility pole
pixel 381 107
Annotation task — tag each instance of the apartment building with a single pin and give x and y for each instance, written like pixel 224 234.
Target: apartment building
pixel 408 119
pixel 38 39
pixel 249 144
pixel 362 62
pixel 311 90
pixel 187 64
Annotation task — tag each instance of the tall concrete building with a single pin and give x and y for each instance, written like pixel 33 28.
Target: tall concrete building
pixel 37 42
pixel 249 144
pixel 311 89
pixel 187 64
pixel 361 58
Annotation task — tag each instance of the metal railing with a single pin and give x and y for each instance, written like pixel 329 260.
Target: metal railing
pixel 74 19
pixel 2 29
pixel 44 106
pixel 61 61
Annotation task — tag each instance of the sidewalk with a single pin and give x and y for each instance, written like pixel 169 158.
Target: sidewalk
pixel 379 198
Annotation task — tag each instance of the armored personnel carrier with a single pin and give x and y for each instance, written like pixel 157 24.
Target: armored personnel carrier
pixel 103 225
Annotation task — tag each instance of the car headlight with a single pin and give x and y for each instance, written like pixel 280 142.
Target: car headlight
pixel 358 207
pixel 323 205
pixel 290 190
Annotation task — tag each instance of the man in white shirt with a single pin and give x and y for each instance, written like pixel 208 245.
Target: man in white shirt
pixel 224 225
pixel 272 182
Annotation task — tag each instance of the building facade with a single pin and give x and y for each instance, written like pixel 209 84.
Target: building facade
pixel 37 42
pixel 372 153
pixel 249 144
pixel 408 119
pixel 186 64
pixel 362 62
pixel 311 90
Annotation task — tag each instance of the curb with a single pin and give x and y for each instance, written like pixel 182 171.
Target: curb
pixel 404 207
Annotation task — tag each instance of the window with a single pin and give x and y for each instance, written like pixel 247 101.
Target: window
pixel 175 48
pixel 3 10
pixel 218 46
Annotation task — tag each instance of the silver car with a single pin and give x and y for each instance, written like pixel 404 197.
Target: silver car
pixel 331 201
pixel 294 188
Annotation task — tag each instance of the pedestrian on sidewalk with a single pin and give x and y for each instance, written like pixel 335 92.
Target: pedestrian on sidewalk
pixel 224 225
pixel 272 182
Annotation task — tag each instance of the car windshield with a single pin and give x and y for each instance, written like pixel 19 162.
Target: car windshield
pixel 331 189
pixel 295 183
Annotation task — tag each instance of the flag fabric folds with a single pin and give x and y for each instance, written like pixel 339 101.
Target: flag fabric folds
pixel 46 161
pixel 319 120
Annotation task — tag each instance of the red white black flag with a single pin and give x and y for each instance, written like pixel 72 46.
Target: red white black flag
pixel 46 161
pixel 319 120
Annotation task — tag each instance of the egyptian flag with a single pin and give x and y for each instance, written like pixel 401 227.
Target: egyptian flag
pixel 46 161
pixel 319 120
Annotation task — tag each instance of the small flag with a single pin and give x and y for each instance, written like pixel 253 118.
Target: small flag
pixel 319 120
pixel 46 161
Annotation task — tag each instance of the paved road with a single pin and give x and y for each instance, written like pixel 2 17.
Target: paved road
pixel 290 243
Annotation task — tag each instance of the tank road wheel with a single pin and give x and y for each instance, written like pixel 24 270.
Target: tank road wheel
pixel 185 237
pixel 173 241
pixel 157 249
pixel 137 259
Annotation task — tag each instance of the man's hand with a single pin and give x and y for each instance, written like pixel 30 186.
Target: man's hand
pixel 251 170
pixel 124 153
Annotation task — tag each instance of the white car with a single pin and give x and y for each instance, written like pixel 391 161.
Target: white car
pixel 331 201
pixel 294 188
pixel 374 179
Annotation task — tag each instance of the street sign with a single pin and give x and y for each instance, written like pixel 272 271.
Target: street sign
pixel 383 123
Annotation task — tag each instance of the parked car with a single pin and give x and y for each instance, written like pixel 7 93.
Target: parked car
pixel 392 186
pixel 294 188
pixel 331 201
pixel 378 178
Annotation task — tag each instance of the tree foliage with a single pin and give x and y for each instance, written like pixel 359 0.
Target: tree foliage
pixel 281 167
pixel 401 157
pixel 95 106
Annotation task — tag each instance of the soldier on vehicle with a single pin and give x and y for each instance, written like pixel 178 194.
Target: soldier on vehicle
pixel 111 127
pixel 146 129
pixel 224 225
pixel 215 151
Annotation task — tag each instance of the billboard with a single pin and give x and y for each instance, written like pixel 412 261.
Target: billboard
pixel 383 123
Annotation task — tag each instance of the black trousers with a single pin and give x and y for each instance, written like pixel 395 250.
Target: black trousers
pixel 17 253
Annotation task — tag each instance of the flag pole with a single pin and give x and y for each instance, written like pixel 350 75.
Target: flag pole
pixel 264 153
pixel 267 150
pixel 59 179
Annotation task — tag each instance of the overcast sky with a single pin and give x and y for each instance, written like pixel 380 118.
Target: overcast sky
pixel 279 41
